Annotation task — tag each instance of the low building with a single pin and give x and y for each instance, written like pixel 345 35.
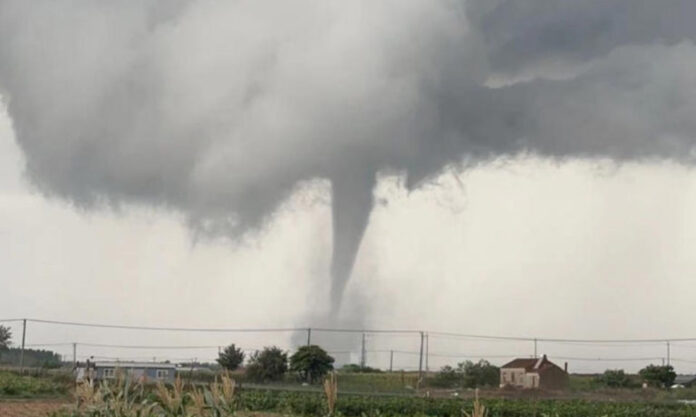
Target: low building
pixel 140 371
pixel 534 373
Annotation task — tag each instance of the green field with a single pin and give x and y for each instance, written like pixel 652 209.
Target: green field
pixel 315 405
pixel 387 397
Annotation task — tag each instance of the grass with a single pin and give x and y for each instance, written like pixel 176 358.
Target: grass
pixel 395 382
pixel 13 385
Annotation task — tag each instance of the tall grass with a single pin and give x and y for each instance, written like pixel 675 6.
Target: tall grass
pixel 125 398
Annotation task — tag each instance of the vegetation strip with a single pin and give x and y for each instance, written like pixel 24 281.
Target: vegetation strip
pixel 126 399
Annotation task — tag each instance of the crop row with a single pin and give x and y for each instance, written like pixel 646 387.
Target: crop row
pixel 312 404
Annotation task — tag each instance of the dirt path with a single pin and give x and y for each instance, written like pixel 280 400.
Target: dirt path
pixel 29 408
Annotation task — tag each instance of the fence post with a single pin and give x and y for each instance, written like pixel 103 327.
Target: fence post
pixel 21 354
pixel 309 336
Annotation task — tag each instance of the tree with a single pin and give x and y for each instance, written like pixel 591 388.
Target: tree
pixel 659 376
pixel 311 363
pixel 5 337
pixel 481 374
pixel 231 357
pixel 614 378
pixel 268 365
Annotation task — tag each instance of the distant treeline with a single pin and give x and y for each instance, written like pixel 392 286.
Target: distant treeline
pixel 32 358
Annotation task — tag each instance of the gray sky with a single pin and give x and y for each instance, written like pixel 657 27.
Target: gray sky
pixel 496 168
pixel 525 248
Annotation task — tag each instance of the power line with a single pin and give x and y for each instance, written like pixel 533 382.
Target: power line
pixel 101 345
pixel 560 340
pixel 609 344
pixel 224 330
pixel 591 359
pixel 368 331
pixel 48 344
pixel 470 336
pixel 173 329
pixel 684 346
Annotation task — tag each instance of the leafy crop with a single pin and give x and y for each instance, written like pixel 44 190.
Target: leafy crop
pixel 313 404
pixel 223 400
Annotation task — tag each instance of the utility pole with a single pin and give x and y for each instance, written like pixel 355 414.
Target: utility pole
pixel 420 359
pixel 427 354
pixel 668 353
pixel 362 352
pixel 74 355
pixel 391 360
pixel 21 355
pixel 309 336
pixel 535 348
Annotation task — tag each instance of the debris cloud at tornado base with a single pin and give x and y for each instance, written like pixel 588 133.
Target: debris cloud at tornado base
pixel 219 110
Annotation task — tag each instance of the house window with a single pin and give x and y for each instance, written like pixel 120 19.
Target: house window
pixel 162 373
pixel 109 373
pixel 512 376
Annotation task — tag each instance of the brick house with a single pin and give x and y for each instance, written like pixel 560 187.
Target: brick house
pixel 534 373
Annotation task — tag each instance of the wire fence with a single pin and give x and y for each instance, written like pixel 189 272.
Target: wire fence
pixel 385 349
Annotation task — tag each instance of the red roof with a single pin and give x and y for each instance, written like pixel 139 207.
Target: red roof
pixel 526 363
pixel 531 364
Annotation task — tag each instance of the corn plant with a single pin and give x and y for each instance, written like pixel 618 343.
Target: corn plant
pixel 127 399
pixel 479 409
pixel 222 398
pixel 331 391
pixel 171 401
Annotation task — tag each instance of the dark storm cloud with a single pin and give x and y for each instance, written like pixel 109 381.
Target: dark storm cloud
pixel 521 33
pixel 218 110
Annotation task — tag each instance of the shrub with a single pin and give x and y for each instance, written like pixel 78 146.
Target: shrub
pixel 658 376
pixel 614 378
pixel 358 369
pixel 448 377
pixel 268 365
pixel 480 374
